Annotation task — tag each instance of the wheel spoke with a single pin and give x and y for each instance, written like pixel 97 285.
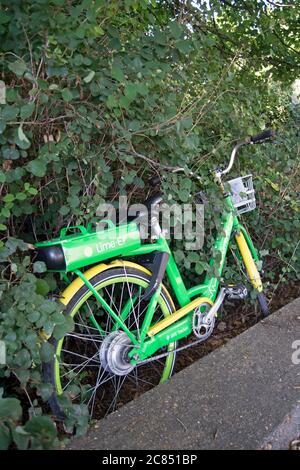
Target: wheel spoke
pixel 82 366
pixel 113 404
pixel 78 355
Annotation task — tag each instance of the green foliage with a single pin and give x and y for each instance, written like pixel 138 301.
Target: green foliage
pixel 98 94
pixel 38 433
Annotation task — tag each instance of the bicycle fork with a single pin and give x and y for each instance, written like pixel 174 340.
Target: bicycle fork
pixel 249 257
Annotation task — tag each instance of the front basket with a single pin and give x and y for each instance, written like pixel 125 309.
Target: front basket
pixel 243 194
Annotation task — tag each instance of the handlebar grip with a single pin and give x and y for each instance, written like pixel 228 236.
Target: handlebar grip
pixel 262 136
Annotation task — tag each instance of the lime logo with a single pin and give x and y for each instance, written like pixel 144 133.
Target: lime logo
pixel 110 245
pixel 88 251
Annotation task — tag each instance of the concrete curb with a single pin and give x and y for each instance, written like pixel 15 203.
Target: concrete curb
pixel 233 398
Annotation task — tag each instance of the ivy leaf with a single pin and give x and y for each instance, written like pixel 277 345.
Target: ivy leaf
pixel 5 437
pixel 21 196
pixel 9 198
pixel 58 318
pixel 47 352
pixel 183 46
pixel 2 177
pixel 10 408
pixel 264 253
pixel 34 316
pixel 14 243
pixel 193 256
pixel 199 267
pixel 4 18
pixel 21 135
pixel 10 153
pixel 175 29
pixel 112 102
pixel 22 144
pixel 124 102
pixel 130 91
pixel 45 391
pixel 21 437
pixel 42 432
pixel 64 210
pixel 184 195
pixel 42 287
pixel 23 359
pixel 142 89
pixel 62 329
pixel 26 111
pixel 89 77
pixel 39 267
pixel 9 112
pixel 2 126
pixel 179 256
pixel 66 94
pixel 18 67
pixel 37 167
pixel 32 191
pixel 117 73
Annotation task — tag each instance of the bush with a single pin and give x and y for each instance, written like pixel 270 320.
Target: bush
pixel 100 95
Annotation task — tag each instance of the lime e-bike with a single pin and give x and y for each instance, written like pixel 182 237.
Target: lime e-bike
pixel 126 322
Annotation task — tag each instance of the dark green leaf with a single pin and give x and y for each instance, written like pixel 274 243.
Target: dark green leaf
pixel 10 409
pixel 18 67
pixel 27 110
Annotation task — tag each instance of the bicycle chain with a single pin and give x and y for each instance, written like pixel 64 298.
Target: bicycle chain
pixel 160 356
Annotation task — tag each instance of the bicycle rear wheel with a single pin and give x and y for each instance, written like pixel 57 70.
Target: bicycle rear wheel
pixel 89 365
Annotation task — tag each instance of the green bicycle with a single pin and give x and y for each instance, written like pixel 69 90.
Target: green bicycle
pixel 126 324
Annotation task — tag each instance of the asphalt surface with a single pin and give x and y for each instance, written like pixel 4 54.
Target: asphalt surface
pixel 240 396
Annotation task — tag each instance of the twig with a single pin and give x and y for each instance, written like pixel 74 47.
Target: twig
pixel 152 162
pixel 182 424
pixel 27 394
pixel 30 49
pixel 40 123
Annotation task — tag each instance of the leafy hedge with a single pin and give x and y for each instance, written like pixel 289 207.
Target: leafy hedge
pixel 98 96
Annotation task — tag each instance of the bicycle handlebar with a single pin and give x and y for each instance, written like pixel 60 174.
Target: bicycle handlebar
pixel 262 136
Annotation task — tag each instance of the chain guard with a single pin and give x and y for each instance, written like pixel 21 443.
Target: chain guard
pixel 201 337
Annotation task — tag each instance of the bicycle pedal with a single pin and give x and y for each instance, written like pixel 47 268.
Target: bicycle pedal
pixel 238 291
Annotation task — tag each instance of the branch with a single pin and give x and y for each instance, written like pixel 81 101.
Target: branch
pixel 275 4
pixel 152 162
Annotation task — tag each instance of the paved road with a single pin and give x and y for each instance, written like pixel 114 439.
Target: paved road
pixel 234 398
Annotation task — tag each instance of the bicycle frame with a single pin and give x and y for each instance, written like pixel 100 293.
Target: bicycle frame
pixel 179 324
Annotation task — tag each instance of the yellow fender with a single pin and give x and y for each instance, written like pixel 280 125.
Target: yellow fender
pixel 71 290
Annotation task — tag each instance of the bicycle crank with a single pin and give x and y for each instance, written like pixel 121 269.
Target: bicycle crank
pixel 203 324
pixel 204 316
